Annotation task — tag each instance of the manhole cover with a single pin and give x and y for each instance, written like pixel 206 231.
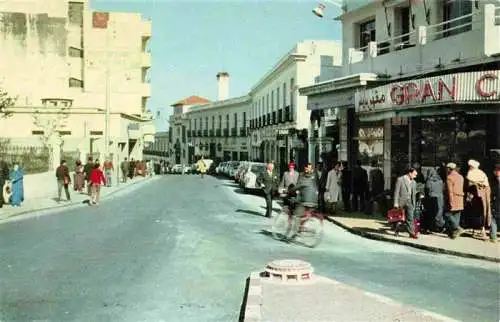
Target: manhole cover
pixel 289 270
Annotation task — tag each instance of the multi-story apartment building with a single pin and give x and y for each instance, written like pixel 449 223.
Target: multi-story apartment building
pixel 279 120
pixel 419 84
pixel 159 150
pixel 67 66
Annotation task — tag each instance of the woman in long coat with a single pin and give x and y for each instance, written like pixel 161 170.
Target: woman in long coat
pixel 16 178
pixel 79 176
pixel 332 188
pixel 478 178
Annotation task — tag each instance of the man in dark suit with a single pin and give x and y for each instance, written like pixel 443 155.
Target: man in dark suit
pixel 405 197
pixel 269 183
pixel 321 174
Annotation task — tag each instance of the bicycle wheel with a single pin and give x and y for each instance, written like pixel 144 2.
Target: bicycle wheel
pixel 282 226
pixel 311 232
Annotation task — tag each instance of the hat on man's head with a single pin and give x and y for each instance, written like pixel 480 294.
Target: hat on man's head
pixel 473 163
pixel 451 166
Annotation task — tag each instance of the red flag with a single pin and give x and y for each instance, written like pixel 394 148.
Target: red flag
pixel 100 20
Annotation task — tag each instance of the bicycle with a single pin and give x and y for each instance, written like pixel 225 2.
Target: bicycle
pixel 309 231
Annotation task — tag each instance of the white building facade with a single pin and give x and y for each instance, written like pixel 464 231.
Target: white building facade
pixel 279 119
pixel 67 66
pixel 219 130
pixel 419 84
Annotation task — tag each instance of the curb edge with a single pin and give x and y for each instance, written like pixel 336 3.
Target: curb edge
pixel 254 299
pixel 409 244
pixel 70 205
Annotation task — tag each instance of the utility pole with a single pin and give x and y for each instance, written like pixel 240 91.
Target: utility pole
pixel 107 95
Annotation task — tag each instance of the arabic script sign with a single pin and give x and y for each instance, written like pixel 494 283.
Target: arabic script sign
pixel 452 88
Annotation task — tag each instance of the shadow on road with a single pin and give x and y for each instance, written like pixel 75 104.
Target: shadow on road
pixel 278 210
pixel 244 302
pixel 250 212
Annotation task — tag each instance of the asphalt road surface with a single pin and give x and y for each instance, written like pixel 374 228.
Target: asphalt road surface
pixel 180 249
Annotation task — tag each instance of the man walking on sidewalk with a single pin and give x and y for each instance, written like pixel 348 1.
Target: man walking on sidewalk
pixel 63 180
pixel 87 169
pixel 455 190
pixel 405 197
pixel 269 182
pixel 4 175
pixel 124 166
pixel 108 171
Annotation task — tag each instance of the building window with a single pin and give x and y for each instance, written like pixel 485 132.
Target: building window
pixel 73 82
pixel 206 123
pixel 227 122
pixel 178 131
pixel 366 33
pixel 196 124
pixel 37 132
pixel 453 9
pixel 183 134
pixel 75 52
pixel 267 103
pixel 235 120
pixel 75 13
pixel 245 119
pixel 220 122
pixel 213 122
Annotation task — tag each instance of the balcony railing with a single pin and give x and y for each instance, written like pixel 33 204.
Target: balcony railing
pixel 426 48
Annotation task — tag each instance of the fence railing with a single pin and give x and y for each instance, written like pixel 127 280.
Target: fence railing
pixel 32 159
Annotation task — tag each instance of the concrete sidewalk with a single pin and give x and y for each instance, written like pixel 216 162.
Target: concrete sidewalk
pixel 376 227
pixel 43 191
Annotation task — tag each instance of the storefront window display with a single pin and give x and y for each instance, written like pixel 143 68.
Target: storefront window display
pixel 371 144
pixel 437 140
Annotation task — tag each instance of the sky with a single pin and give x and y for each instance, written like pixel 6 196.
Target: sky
pixel 194 40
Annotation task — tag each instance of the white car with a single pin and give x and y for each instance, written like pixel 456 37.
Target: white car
pixel 250 178
pixel 233 169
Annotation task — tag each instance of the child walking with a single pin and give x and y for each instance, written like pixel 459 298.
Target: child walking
pixel 97 179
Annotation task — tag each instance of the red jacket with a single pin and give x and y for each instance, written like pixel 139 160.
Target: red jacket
pixel 97 177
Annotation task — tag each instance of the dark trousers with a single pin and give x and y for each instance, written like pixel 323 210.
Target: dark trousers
pixel 409 221
pixel 346 199
pixel 269 204
pixel 60 186
pixel 452 221
pixel 321 201
pixel 358 201
pixel 2 182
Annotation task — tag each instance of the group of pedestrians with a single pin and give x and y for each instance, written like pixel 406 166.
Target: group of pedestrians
pixel 91 174
pixel 450 203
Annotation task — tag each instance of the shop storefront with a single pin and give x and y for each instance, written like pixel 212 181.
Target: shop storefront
pixel 434 120
pixel 329 131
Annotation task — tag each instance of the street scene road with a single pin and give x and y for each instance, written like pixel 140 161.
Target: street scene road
pixel 180 248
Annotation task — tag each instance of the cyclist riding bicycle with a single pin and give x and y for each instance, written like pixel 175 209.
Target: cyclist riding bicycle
pixel 307 193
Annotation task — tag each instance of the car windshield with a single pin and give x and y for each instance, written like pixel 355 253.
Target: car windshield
pixel 258 168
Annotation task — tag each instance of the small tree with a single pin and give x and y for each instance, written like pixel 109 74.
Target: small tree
pixel 6 102
pixel 51 120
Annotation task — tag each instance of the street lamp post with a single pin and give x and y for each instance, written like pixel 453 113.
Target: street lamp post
pixel 320 9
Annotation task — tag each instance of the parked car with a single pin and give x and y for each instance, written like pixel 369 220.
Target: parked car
pixel 241 170
pixel 233 168
pixel 250 178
